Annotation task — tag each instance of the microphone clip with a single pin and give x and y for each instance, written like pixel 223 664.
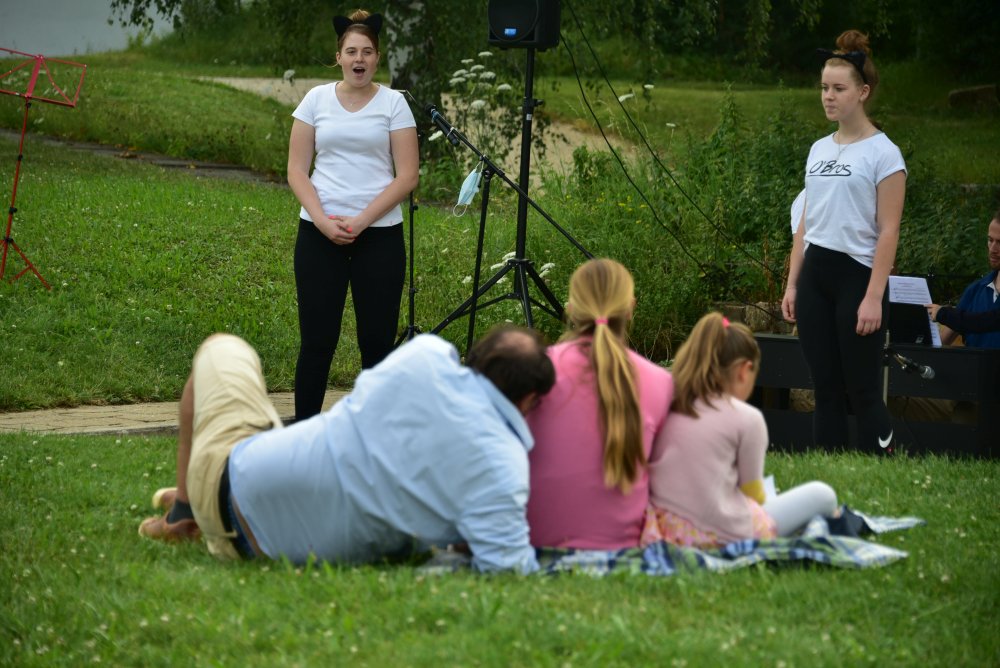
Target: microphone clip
pixel 908 365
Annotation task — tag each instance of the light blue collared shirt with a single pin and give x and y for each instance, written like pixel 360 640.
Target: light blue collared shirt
pixel 423 452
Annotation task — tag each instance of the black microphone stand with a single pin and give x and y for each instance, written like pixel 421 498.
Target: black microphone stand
pixel 411 328
pixel 522 267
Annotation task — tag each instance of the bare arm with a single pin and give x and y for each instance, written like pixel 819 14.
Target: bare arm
pixel 794 266
pixel 890 193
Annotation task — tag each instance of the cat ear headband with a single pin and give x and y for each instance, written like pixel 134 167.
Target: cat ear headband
pixel 342 23
pixel 856 58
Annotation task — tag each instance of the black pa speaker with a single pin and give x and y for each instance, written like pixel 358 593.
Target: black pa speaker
pixel 523 24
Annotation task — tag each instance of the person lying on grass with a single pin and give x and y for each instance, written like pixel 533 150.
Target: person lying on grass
pixel 706 472
pixel 423 452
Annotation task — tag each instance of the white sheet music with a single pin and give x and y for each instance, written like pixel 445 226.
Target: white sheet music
pixel 770 492
pixel 909 290
pixel 914 290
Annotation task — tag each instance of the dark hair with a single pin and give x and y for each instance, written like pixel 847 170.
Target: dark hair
pixel 513 359
pixel 855 40
pixel 357 16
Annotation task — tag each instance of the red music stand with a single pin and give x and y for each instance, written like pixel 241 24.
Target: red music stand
pixel 38 65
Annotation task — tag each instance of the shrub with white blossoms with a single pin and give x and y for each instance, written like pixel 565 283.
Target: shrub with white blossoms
pixel 485 107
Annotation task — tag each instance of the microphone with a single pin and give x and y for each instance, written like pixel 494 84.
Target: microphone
pixel 909 366
pixel 443 125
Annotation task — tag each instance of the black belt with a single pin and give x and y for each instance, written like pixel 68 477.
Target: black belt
pixel 226 514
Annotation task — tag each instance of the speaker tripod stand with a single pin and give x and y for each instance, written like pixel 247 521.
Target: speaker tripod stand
pixel 522 267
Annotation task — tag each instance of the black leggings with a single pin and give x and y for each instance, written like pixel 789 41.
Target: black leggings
pixel 374 267
pixel 843 364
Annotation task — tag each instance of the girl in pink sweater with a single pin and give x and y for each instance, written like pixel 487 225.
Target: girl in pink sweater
pixel 595 429
pixel 707 468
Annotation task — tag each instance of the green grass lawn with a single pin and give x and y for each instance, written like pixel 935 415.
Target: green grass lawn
pixel 961 146
pixel 81 587
pixel 145 262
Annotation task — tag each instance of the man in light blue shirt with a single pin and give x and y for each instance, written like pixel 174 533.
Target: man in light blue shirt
pixel 423 452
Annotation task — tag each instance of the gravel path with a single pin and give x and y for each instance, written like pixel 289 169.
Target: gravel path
pixel 565 137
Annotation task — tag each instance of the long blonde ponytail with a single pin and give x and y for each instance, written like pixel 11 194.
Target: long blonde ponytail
pixel 601 299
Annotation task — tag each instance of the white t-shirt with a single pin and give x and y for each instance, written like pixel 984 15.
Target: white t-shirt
pixel 798 208
pixel 353 154
pixel 840 193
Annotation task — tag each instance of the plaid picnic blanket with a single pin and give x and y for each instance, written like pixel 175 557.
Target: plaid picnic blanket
pixel 815 544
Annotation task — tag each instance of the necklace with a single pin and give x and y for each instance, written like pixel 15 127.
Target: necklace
pixel 351 103
pixel 842 146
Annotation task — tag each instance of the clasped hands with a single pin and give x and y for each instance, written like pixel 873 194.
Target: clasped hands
pixel 344 229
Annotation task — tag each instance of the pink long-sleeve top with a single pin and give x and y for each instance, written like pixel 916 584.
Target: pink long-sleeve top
pixel 699 464
pixel 569 505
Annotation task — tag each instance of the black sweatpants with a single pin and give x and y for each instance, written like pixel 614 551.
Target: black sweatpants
pixel 843 364
pixel 374 267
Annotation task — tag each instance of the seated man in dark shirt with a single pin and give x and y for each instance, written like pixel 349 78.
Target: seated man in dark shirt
pixel 965 322
pixel 982 296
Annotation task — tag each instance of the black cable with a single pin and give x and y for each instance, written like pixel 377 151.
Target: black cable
pixel 624 169
pixel 652 152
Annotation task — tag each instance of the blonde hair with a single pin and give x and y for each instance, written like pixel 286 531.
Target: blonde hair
pixel 601 299
pixel 705 360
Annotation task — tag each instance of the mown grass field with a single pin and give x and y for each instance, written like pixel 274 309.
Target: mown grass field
pixel 82 588
pixel 146 262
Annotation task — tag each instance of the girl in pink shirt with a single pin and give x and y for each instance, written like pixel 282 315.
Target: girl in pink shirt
pixel 594 430
pixel 707 468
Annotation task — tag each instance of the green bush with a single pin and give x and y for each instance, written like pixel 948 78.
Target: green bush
pixel 716 228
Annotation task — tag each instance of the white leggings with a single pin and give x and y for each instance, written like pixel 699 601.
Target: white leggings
pixel 791 510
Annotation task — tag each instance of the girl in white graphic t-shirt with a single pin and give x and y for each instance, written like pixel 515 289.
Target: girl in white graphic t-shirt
pixel 843 252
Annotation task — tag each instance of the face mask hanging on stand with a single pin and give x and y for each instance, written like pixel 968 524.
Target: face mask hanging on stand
pixel 468 190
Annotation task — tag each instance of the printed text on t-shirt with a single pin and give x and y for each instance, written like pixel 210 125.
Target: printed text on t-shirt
pixel 829 168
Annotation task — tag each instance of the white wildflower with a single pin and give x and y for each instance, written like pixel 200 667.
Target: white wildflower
pixel 460 73
pixel 671 125
pixel 497 266
pixel 503 88
pixel 489 76
pixel 477 104
pixel 467 61
pixel 485 54
pixel 289 76
pixel 466 280
pixel 548 265
pixel 626 96
pixel 509 256
pixel 456 81
pixel 477 67
pixel 437 135
pixel 648 86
